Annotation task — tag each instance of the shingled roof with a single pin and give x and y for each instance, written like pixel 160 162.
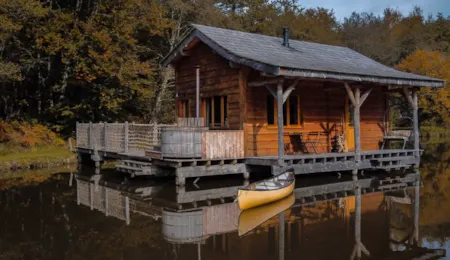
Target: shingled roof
pixel 302 59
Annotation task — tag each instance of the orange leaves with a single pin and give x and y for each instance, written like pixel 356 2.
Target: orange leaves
pixel 27 135
pixel 434 102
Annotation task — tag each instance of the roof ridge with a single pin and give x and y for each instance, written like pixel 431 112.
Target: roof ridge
pixel 265 35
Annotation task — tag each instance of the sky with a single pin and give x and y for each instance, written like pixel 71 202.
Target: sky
pixel 344 8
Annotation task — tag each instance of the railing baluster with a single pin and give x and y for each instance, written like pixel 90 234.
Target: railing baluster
pixel 126 137
pixel 105 136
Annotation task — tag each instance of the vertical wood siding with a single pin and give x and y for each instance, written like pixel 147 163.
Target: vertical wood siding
pixel 223 144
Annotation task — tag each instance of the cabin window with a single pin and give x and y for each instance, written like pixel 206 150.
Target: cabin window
pixel 184 109
pixel 291 111
pixel 215 111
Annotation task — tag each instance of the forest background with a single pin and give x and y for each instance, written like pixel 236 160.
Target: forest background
pixel 63 61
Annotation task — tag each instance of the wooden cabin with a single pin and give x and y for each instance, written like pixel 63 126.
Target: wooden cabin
pixel 268 103
pixel 330 93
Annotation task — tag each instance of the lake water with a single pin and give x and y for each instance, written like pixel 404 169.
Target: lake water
pixel 72 215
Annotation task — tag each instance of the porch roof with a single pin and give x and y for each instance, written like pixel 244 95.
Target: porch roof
pixel 300 59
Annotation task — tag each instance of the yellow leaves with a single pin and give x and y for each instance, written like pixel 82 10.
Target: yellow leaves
pixel 437 65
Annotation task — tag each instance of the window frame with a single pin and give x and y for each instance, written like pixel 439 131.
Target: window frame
pixel 286 124
pixel 224 113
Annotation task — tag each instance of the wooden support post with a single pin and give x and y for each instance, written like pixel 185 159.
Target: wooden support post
pixel 281 235
pixel 289 90
pixel 416 122
pixel 90 141
pixel 413 102
pixel 357 126
pixel 416 212
pixel 197 91
pixel 280 122
pixel 105 136
pixel 125 139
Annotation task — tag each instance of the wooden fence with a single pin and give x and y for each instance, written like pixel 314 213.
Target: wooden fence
pixel 118 137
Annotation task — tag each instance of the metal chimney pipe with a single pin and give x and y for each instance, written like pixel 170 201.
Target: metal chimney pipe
pixel 197 92
pixel 286 36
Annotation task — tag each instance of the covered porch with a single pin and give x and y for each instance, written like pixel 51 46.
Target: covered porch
pixel 326 125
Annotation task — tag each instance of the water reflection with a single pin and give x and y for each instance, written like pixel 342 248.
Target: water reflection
pixel 42 217
pixel 376 217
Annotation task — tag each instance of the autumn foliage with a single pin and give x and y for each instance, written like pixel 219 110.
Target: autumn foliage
pixel 27 135
pixel 434 103
pixel 64 61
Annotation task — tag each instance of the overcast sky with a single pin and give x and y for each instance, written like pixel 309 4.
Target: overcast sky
pixel 343 8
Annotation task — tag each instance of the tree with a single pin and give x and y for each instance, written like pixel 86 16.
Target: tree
pixel 434 102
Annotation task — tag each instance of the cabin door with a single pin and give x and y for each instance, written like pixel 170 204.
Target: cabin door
pixel 348 125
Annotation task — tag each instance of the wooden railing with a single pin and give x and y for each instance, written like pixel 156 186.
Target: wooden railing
pixel 118 137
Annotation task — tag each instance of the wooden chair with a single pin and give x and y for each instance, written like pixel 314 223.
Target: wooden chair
pixel 403 136
pixel 315 141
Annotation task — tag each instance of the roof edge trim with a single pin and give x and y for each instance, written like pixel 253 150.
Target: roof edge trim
pixel 360 78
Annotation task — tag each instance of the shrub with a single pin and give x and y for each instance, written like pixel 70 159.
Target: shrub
pixel 27 135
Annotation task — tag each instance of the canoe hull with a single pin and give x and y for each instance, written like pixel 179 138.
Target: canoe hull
pixel 253 198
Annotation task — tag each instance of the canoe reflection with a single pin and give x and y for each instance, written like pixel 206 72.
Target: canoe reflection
pixel 252 218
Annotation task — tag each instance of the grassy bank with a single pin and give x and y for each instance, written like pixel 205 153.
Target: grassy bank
pixel 29 145
pixel 17 158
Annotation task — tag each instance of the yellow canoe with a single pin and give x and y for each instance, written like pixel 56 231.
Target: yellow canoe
pixel 252 218
pixel 266 191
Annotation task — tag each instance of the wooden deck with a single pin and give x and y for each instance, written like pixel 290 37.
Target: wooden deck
pixel 335 162
pixel 136 146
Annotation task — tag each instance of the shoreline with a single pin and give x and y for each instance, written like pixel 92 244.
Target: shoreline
pixel 37 159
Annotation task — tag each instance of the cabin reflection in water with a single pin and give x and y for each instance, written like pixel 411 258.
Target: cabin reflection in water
pixel 370 217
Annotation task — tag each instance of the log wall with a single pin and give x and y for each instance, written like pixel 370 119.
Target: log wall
pixel 323 108
pixel 217 78
pixel 322 104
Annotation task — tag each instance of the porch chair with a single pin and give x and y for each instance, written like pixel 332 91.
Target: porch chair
pixel 399 135
pixel 315 141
